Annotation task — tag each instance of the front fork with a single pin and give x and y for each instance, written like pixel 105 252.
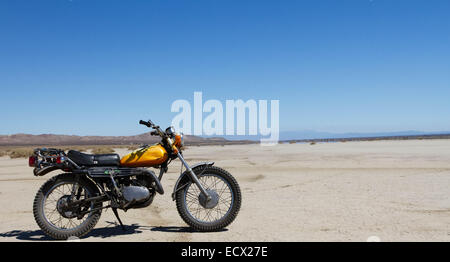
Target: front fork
pixel 194 177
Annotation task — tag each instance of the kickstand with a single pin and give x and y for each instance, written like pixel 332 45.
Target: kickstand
pixel 118 218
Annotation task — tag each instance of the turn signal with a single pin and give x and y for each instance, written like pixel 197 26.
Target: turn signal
pixel 178 140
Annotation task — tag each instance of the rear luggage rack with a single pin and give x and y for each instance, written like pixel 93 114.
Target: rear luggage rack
pixel 46 160
pixel 43 157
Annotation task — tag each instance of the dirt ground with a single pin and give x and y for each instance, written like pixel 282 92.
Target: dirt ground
pixel 353 191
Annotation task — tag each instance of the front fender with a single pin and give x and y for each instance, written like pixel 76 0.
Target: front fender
pixel 184 177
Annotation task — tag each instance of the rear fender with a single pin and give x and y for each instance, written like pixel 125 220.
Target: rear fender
pixel 44 170
pixel 185 178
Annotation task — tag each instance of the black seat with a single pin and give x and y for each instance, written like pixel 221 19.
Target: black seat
pixel 82 159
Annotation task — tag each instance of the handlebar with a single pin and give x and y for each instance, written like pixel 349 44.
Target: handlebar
pixel 159 132
pixel 150 124
pixel 146 123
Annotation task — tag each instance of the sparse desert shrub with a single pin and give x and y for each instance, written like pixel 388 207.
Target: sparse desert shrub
pixel 20 152
pixel 77 148
pixel 80 148
pixel 292 142
pixel 102 150
pixel 312 143
pixel 133 147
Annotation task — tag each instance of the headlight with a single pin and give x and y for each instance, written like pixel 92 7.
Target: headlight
pixel 170 131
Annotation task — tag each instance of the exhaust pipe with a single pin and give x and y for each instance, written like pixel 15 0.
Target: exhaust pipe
pixel 159 187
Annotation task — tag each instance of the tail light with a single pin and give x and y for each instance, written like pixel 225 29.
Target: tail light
pixel 31 161
pixel 60 159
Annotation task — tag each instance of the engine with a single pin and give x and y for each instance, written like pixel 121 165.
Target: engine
pixel 138 191
pixel 135 193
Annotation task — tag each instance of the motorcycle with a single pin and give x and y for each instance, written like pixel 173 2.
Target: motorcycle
pixel 208 198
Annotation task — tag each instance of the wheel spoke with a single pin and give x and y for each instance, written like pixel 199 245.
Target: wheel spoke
pixel 213 183
pixel 50 206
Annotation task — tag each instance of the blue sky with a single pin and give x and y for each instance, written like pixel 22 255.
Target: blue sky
pixel 97 67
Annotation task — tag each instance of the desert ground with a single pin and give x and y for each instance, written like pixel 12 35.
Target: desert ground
pixel 352 191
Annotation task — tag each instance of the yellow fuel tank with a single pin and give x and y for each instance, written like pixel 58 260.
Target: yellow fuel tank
pixel 145 157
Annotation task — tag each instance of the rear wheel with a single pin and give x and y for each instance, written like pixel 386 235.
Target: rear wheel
pixel 56 217
pixel 216 213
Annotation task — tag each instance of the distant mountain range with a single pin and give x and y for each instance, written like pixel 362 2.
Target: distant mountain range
pixel 311 134
pixel 146 138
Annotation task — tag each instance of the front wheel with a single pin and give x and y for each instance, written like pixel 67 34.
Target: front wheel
pixel 214 214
